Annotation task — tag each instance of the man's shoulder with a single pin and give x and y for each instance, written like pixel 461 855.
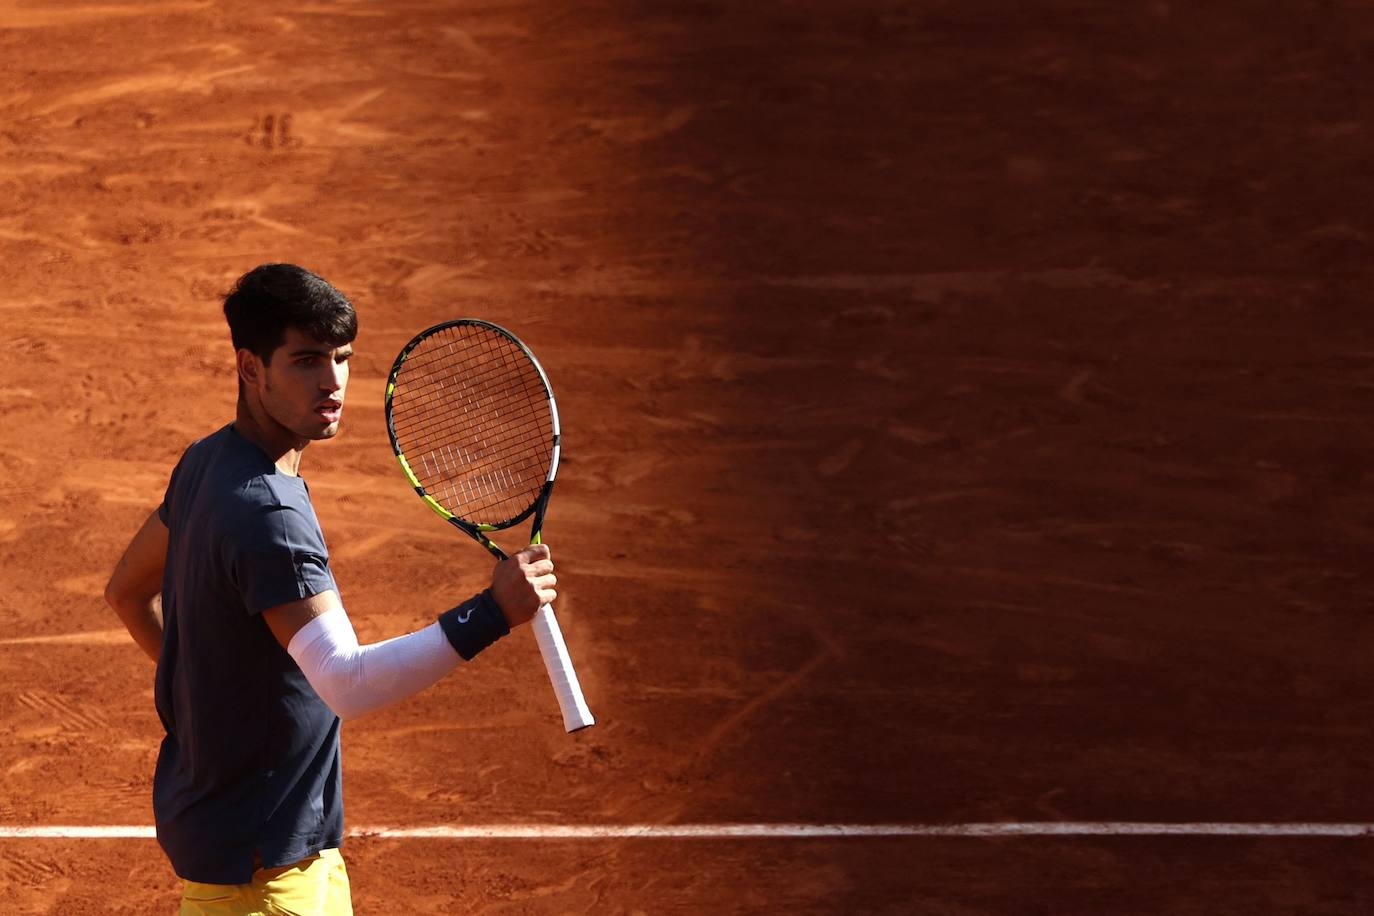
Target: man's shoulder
pixel 238 478
pixel 208 452
pixel 273 490
pixel 261 509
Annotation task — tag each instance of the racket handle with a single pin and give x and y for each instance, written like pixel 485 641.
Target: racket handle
pixel 565 686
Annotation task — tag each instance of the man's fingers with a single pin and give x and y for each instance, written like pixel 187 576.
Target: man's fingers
pixel 541 568
pixel 535 567
pixel 534 553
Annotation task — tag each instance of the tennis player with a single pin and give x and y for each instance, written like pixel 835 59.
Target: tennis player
pixel 228 587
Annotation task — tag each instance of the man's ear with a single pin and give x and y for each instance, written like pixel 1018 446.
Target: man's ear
pixel 249 366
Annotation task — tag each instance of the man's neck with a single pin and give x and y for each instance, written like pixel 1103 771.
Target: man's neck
pixel 281 447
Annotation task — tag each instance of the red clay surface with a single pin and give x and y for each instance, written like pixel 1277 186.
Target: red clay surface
pixel 965 418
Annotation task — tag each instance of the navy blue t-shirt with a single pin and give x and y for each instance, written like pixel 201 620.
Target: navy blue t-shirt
pixel 250 765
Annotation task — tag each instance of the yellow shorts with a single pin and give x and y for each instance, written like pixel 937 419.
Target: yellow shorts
pixel 317 886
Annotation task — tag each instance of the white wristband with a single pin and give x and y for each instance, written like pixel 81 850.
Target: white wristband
pixel 354 679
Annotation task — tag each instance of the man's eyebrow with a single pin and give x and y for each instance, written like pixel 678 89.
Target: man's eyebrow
pixel 346 350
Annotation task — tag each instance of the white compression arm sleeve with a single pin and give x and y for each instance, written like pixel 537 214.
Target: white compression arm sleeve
pixel 356 679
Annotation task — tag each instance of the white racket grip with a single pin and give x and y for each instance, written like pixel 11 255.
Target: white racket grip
pixel 565 686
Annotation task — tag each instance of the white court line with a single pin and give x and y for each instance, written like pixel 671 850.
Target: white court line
pixel 85 637
pixel 765 831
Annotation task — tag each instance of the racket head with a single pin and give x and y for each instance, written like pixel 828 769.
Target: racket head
pixel 473 421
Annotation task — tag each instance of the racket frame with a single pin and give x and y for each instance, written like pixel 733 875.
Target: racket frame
pixel 477 531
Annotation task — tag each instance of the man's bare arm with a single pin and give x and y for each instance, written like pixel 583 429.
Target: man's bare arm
pixel 135 588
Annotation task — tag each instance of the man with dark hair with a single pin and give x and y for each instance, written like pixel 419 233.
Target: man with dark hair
pixel 269 299
pixel 227 586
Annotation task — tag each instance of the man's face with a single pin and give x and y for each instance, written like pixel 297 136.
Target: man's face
pixel 302 388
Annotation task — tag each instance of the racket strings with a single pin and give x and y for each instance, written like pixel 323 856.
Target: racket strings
pixel 468 386
pixel 471 414
pixel 516 423
pixel 479 401
pixel 472 483
pixel 438 406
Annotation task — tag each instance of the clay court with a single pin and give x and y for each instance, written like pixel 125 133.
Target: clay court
pixel 965 417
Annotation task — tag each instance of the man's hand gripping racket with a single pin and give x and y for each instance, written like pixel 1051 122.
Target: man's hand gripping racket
pixel 473 421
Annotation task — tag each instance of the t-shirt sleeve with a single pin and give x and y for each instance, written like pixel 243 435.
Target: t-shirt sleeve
pixel 164 509
pixel 277 554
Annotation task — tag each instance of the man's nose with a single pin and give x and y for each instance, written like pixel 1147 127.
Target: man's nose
pixel 335 377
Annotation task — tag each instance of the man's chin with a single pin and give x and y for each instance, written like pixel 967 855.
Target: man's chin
pixel 329 432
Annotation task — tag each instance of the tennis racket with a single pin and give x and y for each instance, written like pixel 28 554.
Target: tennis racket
pixel 473 422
